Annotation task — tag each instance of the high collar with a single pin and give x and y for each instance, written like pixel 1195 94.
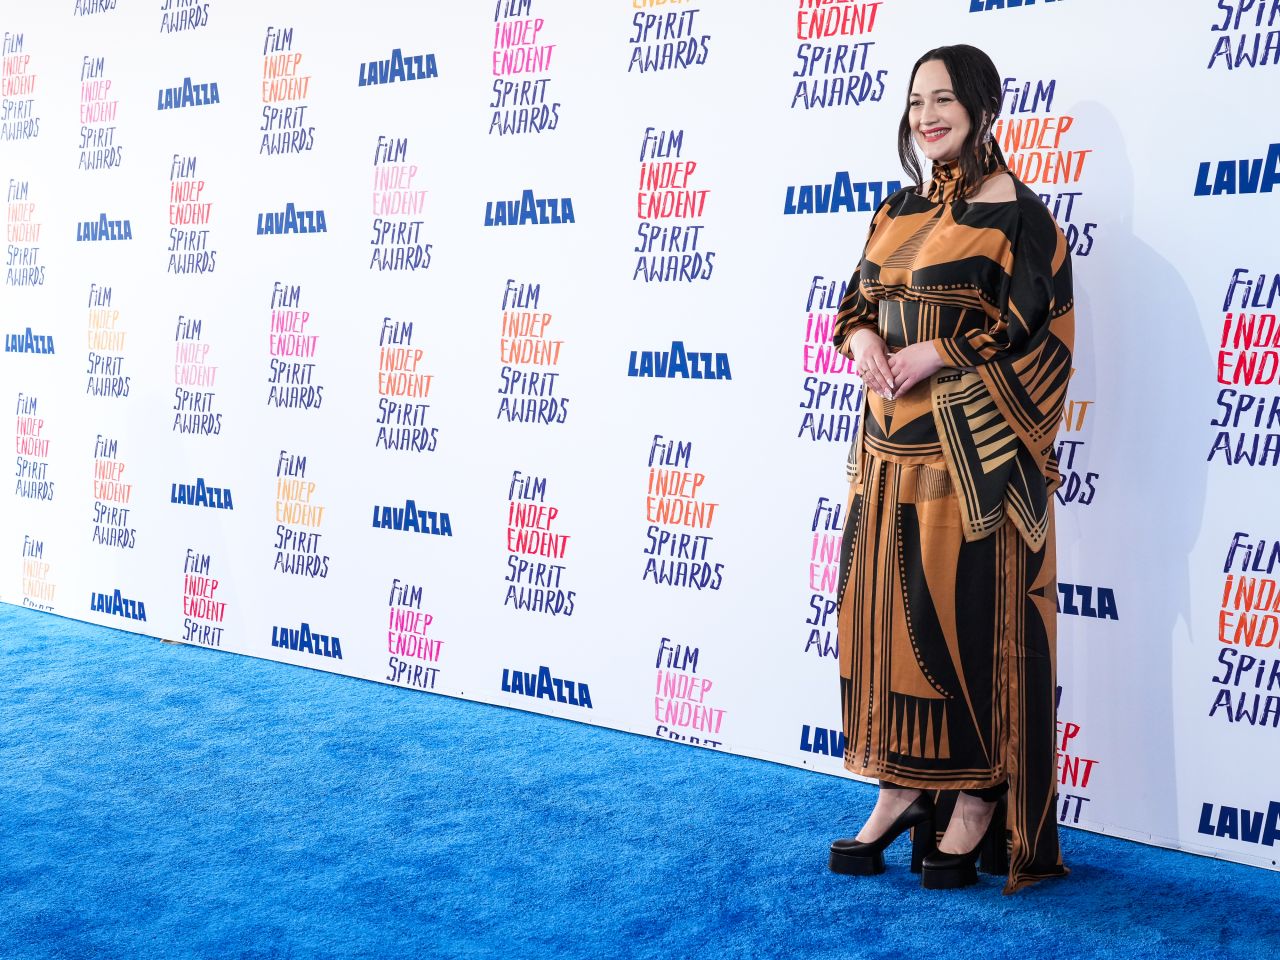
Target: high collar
pixel 947 183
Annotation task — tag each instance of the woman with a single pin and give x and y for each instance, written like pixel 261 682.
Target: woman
pixel 959 319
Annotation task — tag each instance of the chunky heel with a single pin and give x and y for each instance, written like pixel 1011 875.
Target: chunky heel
pixel 924 843
pixel 993 858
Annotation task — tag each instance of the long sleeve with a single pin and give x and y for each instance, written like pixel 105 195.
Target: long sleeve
pixel 999 422
pixel 1024 357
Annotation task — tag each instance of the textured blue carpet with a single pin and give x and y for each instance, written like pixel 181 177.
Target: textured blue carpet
pixel 168 801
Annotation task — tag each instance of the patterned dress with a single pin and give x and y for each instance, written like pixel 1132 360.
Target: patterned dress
pixel 947 619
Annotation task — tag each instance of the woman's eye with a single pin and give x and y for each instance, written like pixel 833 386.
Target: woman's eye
pixel 914 103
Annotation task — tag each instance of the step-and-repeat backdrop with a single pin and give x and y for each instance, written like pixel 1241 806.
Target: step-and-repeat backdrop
pixel 483 349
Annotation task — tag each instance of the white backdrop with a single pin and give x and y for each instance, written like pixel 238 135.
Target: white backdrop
pixel 132 376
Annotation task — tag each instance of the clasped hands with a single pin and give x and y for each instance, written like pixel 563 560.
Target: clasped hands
pixel 891 374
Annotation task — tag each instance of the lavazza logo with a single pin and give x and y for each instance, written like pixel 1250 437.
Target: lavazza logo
pixel 1240 823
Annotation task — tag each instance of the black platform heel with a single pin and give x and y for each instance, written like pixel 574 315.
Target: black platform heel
pixel 866 858
pixel 924 842
pixel 949 871
pixel 993 853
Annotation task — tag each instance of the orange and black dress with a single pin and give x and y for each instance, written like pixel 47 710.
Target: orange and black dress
pixel 948 580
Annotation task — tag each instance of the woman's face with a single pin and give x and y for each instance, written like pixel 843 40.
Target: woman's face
pixel 939 122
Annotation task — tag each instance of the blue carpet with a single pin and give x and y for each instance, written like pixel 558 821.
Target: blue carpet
pixel 169 801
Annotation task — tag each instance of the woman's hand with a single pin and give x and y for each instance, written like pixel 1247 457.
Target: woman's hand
pixel 912 364
pixel 872 361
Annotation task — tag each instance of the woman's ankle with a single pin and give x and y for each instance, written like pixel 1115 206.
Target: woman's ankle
pixel 969 822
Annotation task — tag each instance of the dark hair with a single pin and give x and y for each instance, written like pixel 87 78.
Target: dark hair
pixel 976 84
